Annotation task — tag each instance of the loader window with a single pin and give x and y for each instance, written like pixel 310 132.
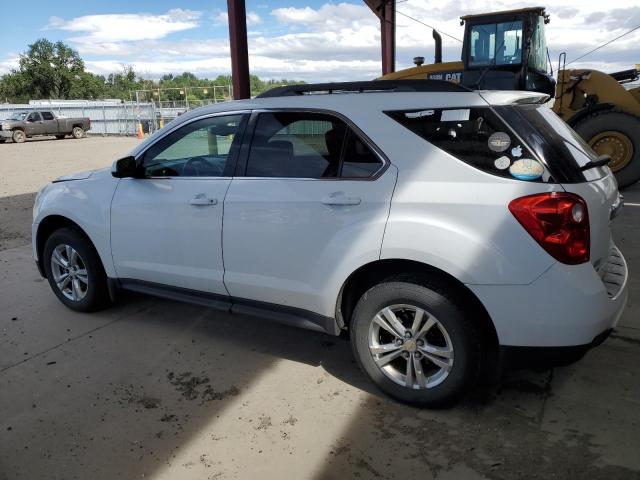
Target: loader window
pixel 496 44
pixel 538 51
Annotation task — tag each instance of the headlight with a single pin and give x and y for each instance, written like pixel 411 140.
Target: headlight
pixel 5 126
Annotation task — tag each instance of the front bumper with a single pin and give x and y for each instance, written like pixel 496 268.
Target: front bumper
pixel 6 134
pixel 569 305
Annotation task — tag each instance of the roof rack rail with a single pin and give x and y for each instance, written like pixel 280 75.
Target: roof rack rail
pixel 365 86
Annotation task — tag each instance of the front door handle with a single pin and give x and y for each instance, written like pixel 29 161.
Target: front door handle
pixel 202 200
pixel 340 198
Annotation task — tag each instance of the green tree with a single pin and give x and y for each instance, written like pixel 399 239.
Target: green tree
pixel 50 69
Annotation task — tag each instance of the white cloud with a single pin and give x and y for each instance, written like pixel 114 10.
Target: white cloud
pixel 222 18
pixel 112 28
pixel 338 41
pixel 9 64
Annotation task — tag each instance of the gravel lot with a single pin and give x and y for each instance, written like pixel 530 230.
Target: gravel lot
pixel 158 389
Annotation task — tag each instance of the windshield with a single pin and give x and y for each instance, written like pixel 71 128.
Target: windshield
pixel 561 148
pixel 496 44
pixel 20 116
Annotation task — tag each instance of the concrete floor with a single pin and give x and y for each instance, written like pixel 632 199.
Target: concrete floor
pixel 162 390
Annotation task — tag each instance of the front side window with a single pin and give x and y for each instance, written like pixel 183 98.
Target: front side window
pixel 308 145
pixel 33 117
pixel 198 149
pixel 47 115
pixel 496 44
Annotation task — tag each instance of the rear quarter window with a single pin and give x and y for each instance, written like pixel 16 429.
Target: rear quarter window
pixel 478 137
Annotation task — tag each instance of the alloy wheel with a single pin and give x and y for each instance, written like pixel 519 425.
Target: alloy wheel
pixel 69 272
pixel 410 346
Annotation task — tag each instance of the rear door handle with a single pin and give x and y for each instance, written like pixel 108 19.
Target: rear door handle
pixel 340 198
pixel 202 200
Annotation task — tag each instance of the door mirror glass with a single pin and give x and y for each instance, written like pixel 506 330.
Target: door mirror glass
pixel 124 168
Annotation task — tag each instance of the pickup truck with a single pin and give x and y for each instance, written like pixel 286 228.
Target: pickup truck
pixel 23 125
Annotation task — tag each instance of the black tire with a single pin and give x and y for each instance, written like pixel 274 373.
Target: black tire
pixel 97 293
pixel 438 304
pixel 627 124
pixel 60 137
pixel 77 133
pixel 19 136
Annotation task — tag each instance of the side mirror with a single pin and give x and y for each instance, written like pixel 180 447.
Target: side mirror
pixel 125 168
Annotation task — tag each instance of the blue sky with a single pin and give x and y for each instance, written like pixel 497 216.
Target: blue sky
pixel 312 40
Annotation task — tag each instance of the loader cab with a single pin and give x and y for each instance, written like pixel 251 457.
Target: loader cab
pixel 506 51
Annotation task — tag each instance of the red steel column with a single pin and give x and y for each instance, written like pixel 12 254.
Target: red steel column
pixel 239 51
pixel 388 34
pixel 385 10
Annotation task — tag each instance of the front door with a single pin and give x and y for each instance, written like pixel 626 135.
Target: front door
pixel 34 124
pixel 166 226
pixel 309 210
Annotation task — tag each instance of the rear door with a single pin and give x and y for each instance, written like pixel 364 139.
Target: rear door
pixel 309 207
pixel 50 123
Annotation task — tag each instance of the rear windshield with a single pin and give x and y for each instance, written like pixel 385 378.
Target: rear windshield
pixel 523 142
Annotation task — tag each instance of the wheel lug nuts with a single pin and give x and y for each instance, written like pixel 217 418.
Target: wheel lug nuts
pixel 405 355
pixel 407 334
pixel 420 343
pixel 417 355
pixel 399 342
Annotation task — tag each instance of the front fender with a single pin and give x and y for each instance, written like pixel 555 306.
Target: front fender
pixel 87 203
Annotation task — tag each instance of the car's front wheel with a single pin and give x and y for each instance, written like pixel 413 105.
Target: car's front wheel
pixel 19 136
pixel 415 342
pixel 75 271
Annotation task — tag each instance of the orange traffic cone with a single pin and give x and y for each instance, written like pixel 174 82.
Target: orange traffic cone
pixel 140 132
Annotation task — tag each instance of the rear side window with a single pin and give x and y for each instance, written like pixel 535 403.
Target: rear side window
pixel 476 136
pixel 308 145
pixel 47 115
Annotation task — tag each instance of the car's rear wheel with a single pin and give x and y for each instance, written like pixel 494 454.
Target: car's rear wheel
pixel 75 271
pixel 19 136
pixel 415 343
pixel 77 132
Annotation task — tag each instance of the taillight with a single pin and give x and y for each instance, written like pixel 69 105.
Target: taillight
pixel 559 222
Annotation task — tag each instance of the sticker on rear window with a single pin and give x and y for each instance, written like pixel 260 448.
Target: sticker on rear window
pixel 423 113
pixel 460 115
pixel 499 141
pixel 502 162
pixel 526 169
pixel 516 151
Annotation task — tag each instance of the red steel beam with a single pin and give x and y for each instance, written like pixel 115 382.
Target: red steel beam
pixel 385 10
pixel 239 50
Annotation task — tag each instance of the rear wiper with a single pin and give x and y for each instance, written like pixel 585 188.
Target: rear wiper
pixel 600 162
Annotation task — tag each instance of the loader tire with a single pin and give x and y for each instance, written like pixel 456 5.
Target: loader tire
pixel 616 134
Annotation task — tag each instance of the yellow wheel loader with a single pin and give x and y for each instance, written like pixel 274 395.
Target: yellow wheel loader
pixel 507 51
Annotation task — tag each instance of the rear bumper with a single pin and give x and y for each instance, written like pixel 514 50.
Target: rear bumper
pixel 547 357
pixel 568 306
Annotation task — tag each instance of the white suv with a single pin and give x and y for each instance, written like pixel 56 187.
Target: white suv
pixel 441 227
